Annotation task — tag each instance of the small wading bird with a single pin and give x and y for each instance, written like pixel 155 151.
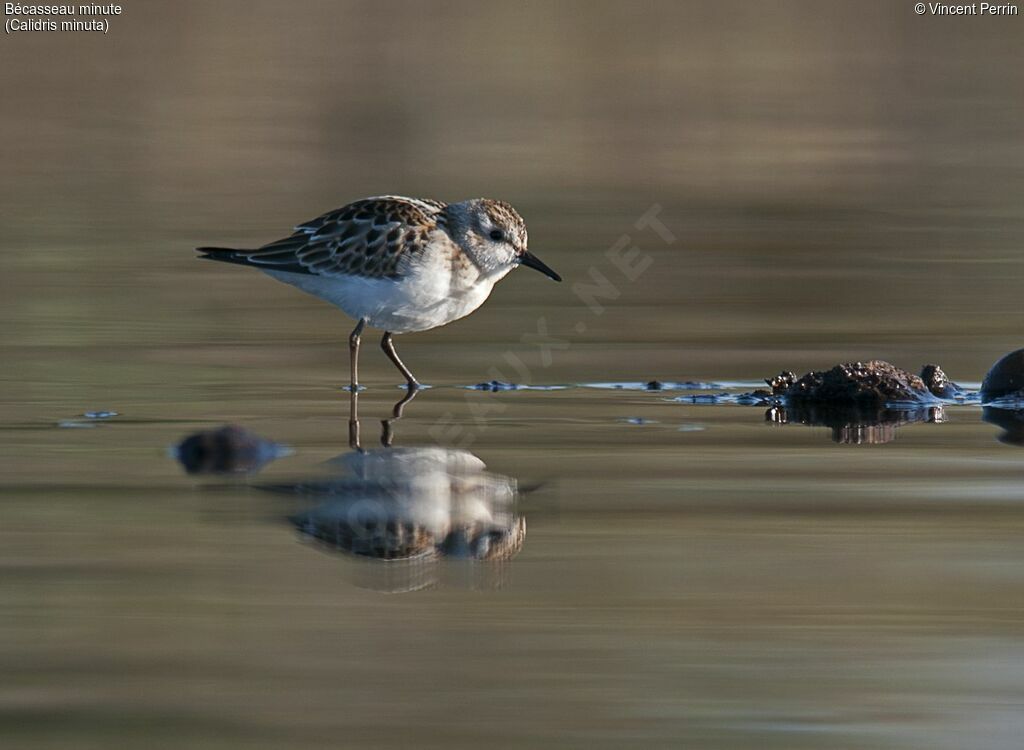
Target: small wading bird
pixel 398 264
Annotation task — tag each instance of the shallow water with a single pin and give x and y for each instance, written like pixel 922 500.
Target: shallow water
pixel 831 187
pixel 704 576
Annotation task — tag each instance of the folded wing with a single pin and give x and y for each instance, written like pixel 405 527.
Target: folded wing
pixel 373 237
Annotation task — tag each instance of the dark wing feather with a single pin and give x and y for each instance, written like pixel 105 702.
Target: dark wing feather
pixel 373 237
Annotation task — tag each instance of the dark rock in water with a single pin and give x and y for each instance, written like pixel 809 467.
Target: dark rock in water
pixel 760 397
pixel 1012 422
pixel 494 386
pixel 694 385
pixel 936 381
pixel 853 425
pixel 865 384
pixel 704 398
pixel 653 385
pixel 226 450
pixel 1005 379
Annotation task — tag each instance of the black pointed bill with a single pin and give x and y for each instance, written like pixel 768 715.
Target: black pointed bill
pixel 532 261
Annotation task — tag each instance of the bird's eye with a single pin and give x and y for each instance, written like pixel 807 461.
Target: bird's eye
pixel 497 235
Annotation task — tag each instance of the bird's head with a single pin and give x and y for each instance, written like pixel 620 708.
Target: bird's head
pixel 494 234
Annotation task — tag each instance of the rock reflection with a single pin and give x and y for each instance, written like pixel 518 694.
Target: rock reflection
pixel 1011 420
pixel 227 450
pixel 401 513
pixel 853 425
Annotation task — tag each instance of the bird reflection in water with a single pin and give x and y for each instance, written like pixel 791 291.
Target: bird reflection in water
pixel 400 513
pixel 852 425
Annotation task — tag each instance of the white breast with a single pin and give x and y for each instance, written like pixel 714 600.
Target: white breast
pixel 426 297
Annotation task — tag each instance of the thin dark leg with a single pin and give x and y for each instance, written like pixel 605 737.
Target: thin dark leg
pixel 353 422
pixel 389 348
pixel 353 352
pixel 353 414
pixel 387 434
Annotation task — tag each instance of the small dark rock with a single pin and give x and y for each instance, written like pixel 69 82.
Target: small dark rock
pixel 226 450
pixel 936 381
pixel 864 384
pixel 1005 379
pixel 494 386
pixel 654 385
pixel 703 398
pixel 759 397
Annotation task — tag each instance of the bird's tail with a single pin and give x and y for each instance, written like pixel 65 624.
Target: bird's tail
pixel 268 258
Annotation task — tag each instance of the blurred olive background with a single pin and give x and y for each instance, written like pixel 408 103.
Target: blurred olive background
pixel 842 180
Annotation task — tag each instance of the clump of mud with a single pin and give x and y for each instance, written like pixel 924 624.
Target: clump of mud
pixel 939 384
pixel 861 384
